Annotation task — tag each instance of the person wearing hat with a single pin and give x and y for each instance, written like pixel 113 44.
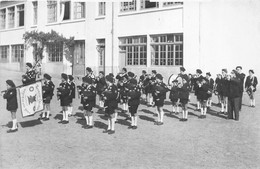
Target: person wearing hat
pixel 197 80
pixel 100 87
pixel 47 93
pixel 30 75
pixel 241 77
pixel 63 94
pixel 184 89
pixel 159 95
pixel 11 97
pixel 72 93
pixel 210 82
pixel 182 71
pixel 250 85
pixel 88 94
pixel 203 95
pixel 150 88
pixel 133 95
pixel 233 95
pixel 217 87
pixel 224 92
pixel 174 96
pixel 110 96
pixel 90 74
pixel 122 89
pixel 123 73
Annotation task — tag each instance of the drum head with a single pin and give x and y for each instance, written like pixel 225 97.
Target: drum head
pixel 174 77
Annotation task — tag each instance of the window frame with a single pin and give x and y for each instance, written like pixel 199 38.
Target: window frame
pixel 52 17
pixel 9 15
pixel 17 53
pixel 35 12
pixel 3 21
pixel 19 12
pixel 143 5
pixel 4 51
pixel 81 12
pixel 101 8
pixel 52 49
pixel 128 7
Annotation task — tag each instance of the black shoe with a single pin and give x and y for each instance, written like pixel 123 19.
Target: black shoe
pixel 134 127
pixel 65 122
pixel 45 119
pixel 160 123
pixel 130 127
pixel 204 116
pixel 89 127
pixel 185 119
pixel 197 109
pixel 253 106
pixel 181 119
pixel 41 118
pixel 111 132
pixel 128 118
pixel 156 123
pixel 60 121
pixel 116 121
pixel 106 131
pixel 12 131
pixel 201 117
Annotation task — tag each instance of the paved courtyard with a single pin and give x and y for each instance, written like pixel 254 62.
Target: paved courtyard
pixel 213 142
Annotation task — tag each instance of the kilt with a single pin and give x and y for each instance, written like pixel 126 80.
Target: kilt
pixel 133 109
pixel 47 100
pixel 159 103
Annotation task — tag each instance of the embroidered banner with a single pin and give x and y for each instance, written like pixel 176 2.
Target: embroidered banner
pixel 31 99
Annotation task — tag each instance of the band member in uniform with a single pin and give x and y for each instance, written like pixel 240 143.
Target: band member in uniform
pixel 203 95
pixel 110 96
pixel 123 73
pixel 159 95
pixel 224 92
pixel 134 95
pixel 217 88
pixel 233 95
pixel 89 73
pixel 241 77
pixel 250 85
pixel 89 101
pixel 152 81
pixel 142 83
pixel 63 94
pixel 196 87
pixel 182 71
pixel 174 97
pixel 47 93
pixel 30 75
pixel 184 89
pixel 122 85
pixel 11 96
pixel 72 93
pixel 210 82
pixel 100 87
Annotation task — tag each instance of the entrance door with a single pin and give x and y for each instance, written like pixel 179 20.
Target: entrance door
pixel 78 67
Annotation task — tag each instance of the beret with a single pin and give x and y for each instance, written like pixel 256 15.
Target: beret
pixel 111 74
pixel 47 76
pixel 89 69
pixel 199 71
pixel 124 69
pixel 10 83
pixel 175 80
pixel 109 78
pixel 70 77
pixel 159 76
pixel 182 69
pixel 240 67
pixel 252 71
pixel 143 71
pixel 130 74
pixel 224 70
pixel 102 72
pixel 154 71
pixel 29 65
pixel 208 73
pixel 64 76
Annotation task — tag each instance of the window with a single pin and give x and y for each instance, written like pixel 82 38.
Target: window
pixel 101 8
pixel 146 4
pixel 35 12
pixel 17 53
pixel 2 18
pixel 167 49
pixel 79 52
pixel 11 17
pixel 65 8
pixel 4 53
pixel 172 3
pixel 20 15
pixel 52 11
pixel 55 52
pixel 79 10
pixel 135 49
pixel 128 6
pixel 101 51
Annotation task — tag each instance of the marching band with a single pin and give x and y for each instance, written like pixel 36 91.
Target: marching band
pixel 128 91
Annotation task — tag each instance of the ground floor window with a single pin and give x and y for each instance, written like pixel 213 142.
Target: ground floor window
pixel 167 50
pixel 4 53
pixel 17 53
pixel 55 52
pixel 135 49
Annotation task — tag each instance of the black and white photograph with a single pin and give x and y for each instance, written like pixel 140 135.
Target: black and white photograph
pixel 135 84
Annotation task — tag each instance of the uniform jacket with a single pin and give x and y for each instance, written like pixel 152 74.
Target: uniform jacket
pixel 234 88
pixel 111 95
pixel 241 77
pixel 224 86
pixel 101 85
pixel 47 89
pixel 134 95
pixel 72 90
pixel 184 91
pixel 160 90
pixel 203 91
pixel 251 82
pixel 174 93
pixel 64 93
pixel 10 96
pixel 196 86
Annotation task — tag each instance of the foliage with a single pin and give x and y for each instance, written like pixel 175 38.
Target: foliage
pixel 42 39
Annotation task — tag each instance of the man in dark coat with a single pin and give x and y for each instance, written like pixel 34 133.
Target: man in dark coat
pixel 241 77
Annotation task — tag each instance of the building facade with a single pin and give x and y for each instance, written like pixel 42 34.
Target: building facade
pixel 139 35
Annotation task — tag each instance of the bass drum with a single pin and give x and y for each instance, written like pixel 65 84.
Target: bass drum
pixel 174 77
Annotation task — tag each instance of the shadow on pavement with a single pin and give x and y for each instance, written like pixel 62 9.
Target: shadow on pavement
pixel 100 125
pixel 216 114
pixel 193 114
pixel 171 115
pixel 58 117
pixel 147 111
pixel 123 122
pixel 9 124
pixel 146 118
pixel 30 123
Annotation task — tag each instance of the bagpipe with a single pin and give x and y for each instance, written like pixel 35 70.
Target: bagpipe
pixel 175 77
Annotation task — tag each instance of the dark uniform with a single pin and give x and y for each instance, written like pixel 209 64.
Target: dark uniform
pixel 184 93
pixel 134 95
pixel 88 94
pixel 110 94
pixel 122 89
pixel 63 94
pixel 29 77
pixel 159 94
pixel 101 85
pixel 10 96
pixel 47 90
pixel 72 91
pixel 174 95
pixel 233 98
